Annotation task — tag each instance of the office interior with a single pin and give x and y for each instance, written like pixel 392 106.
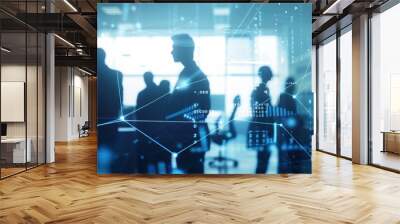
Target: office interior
pixel 48 128
pixel 231 68
pixel 48 76
pixel 32 120
pixel 22 98
pixel 334 76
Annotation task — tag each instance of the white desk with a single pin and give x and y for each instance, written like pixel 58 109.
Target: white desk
pixel 17 147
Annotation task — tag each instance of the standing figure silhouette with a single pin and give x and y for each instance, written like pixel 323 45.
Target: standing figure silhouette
pixel 189 102
pixel 261 121
pixel 110 107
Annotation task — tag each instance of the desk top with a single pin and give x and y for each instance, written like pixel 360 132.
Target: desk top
pixel 391 132
pixel 13 140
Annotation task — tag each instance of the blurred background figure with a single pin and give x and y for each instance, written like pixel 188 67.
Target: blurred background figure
pixel 146 112
pixel 293 143
pixel 286 142
pixel 164 87
pixel 163 157
pixel 110 107
pixel 287 98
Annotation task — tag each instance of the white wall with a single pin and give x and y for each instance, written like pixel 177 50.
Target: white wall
pixel 12 73
pixel 61 103
pixel 314 89
pixel 16 73
pixel 80 112
pixel 71 102
pixel 33 127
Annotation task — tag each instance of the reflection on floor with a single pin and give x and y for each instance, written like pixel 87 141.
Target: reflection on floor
pixel 386 159
pixel 10 171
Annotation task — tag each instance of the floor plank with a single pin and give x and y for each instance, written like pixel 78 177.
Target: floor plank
pixel 70 191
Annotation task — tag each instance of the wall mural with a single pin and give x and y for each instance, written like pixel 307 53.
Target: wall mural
pixel 210 88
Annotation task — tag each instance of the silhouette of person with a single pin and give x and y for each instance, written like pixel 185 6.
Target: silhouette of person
pixel 110 107
pixel 165 97
pixel 111 90
pixel 148 112
pixel 295 148
pixel 190 101
pixel 287 102
pixel 164 87
pixel 163 157
pixel 145 99
pixel 293 158
pixel 260 103
pixel 286 99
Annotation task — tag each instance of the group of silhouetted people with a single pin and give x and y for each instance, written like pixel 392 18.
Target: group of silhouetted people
pixel 281 125
pixel 171 124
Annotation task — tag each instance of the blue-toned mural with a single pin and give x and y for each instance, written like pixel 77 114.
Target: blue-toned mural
pixel 204 88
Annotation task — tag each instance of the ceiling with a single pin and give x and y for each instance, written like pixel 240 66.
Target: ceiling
pixel 75 22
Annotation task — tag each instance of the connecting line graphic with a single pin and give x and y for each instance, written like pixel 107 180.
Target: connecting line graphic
pixel 295 83
pixel 302 147
pixel 168 150
pixel 283 127
pixel 248 30
pixel 159 98
pixel 147 104
pixel 184 149
pixel 306 74
pixel 191 83
pixel 197 141
pixel 160 121
pixel 243 20
pixel 119 94
pixel 163 121
pixel 149 121
pixel 302 104
pixel 147 136
pixel 109 122
pixel 305 108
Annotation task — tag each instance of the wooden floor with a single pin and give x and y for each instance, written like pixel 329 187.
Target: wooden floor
pixel 386 159
pixel 5 172
pixel 70 191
